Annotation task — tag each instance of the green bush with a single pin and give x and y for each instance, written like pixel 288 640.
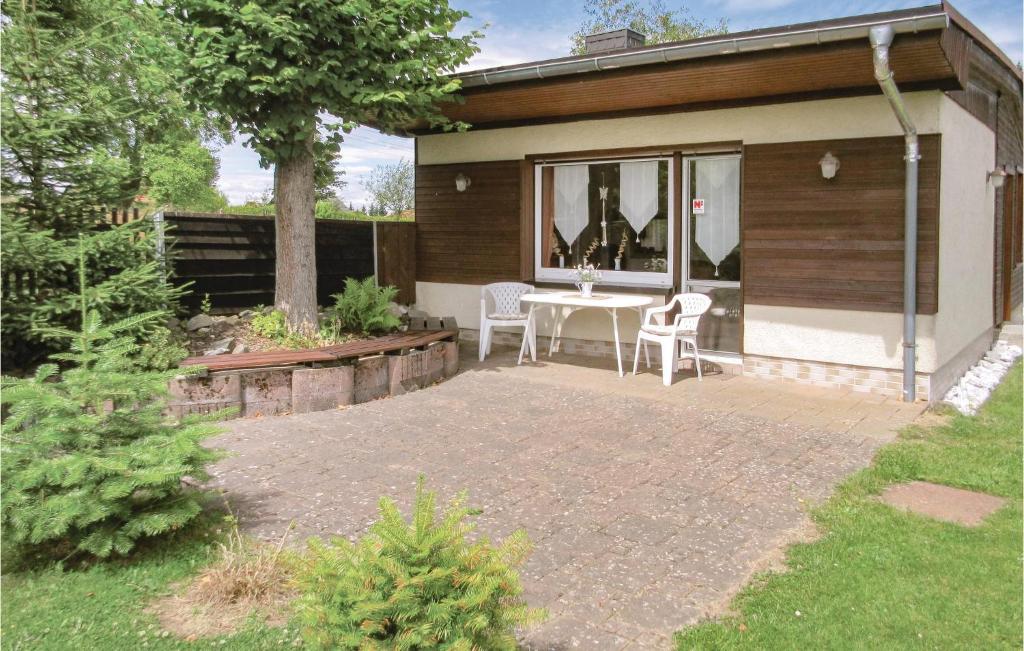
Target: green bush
pixel 416 585
pixel 363 307
pixel 123 276
pixel 89 462
pixel 272 325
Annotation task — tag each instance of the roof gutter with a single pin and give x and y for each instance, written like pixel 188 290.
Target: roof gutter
pixel 881 37
pixel 704 48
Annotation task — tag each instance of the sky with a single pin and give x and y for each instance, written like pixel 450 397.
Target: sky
pixel 516 31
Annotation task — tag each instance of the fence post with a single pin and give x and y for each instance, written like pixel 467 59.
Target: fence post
pixel 158 230
pixel 376 261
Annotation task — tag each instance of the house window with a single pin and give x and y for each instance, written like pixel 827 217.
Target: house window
pixel 613 214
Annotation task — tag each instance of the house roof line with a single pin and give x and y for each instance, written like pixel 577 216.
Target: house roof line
pixel 815 33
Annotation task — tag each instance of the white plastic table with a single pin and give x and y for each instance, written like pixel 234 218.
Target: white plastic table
pixel 611 303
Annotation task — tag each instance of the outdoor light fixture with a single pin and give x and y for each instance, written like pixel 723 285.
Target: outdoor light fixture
pixel 998 177
pixel 829 165
pixel 462 182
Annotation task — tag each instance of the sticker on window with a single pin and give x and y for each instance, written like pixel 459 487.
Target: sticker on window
pixel 697 207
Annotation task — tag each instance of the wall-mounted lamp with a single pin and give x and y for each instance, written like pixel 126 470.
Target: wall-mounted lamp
pixel 829 165
pixel 997 177
pixel 462 182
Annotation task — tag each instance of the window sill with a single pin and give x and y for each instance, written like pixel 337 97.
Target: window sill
pixel 649 290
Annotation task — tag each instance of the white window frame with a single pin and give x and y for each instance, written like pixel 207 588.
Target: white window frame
pixel 608 276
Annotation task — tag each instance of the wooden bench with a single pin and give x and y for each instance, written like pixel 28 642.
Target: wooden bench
pixel 401 341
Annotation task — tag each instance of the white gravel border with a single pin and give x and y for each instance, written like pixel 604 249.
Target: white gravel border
pixel 977 384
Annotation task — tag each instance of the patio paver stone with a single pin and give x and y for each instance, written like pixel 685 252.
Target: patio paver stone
pixel 968 508
pixel 648 505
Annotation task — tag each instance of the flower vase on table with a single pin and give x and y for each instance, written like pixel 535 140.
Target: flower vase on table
pixel 585 277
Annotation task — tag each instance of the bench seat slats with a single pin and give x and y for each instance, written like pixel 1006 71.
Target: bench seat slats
pixel 385 344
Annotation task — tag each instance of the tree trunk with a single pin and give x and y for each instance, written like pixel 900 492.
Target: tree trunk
pixel 295 290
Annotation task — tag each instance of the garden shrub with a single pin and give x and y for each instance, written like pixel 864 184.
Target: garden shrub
pixel 415 585
pixel 123 276
pixel 89 461
pixel 364 307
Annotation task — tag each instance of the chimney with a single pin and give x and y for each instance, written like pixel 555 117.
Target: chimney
pixel 619 39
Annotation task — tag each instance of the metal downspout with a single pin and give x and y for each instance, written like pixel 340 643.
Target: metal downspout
pixel 881 38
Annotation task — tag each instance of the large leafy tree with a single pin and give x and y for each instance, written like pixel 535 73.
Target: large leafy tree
pixel 392 187
pixel 649 17
pixel 277 69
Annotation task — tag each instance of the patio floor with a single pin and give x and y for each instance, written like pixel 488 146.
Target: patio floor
pixel 649 506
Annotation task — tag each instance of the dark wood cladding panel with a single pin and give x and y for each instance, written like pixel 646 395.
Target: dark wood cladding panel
pixel 811 242
pixel 396 258
pixel 232 257
pixel 921 60
pixel 470 237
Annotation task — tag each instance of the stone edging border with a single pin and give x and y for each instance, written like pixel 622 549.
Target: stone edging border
pixel 300 389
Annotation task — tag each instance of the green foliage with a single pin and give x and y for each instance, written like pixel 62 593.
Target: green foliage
pixel 649 17
pixel 392 187
pixel 325 209
pixel 206 304
pixel 415 585
pixel 88 95
pixel 87 88
pixel 123 276
pixel 90 463
pixel 277 68
pixel 364 307
pixel 327 181
pixel 162 350
pixel 182 175
pixel 272 325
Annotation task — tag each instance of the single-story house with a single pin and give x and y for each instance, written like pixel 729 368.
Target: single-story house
pixel 775 170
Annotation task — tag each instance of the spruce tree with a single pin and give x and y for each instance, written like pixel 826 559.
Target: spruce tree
pixel 416 585
pixel 90 461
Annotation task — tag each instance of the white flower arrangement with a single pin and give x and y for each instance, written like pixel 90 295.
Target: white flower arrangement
pixel 586 274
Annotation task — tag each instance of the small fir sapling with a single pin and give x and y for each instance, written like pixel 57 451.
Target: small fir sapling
pixel 90 462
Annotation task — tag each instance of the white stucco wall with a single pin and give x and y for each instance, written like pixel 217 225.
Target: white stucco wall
pixel 839 336
pixel 966 231
pixel 872 339
pixel 855 117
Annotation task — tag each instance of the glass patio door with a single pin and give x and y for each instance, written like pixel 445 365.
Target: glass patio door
pixel 711 247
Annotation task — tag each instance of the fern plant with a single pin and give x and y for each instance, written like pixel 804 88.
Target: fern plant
pixel 90 463
pixel 415 585
pixel 363 307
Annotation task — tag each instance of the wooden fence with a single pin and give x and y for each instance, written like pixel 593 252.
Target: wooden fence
pixel 232 257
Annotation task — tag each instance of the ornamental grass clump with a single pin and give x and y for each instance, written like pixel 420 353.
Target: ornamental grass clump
pixel 90 462
pixel 415 585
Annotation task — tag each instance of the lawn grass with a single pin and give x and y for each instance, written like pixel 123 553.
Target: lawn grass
pixel 879 578
pixel 104 606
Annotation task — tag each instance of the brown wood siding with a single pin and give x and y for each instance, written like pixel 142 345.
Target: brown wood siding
pixel 396 258
pixel 470 237
pixel 809 242
pixel 792 73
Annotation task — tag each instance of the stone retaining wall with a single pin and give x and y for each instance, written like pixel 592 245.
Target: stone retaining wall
pixel 297 389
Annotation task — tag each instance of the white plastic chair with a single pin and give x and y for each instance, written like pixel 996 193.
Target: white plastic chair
pixel 683 330
pixel 500 306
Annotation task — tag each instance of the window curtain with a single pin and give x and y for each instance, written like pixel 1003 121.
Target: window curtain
pixel 638 193
pixel 718 229
pixel 571 206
